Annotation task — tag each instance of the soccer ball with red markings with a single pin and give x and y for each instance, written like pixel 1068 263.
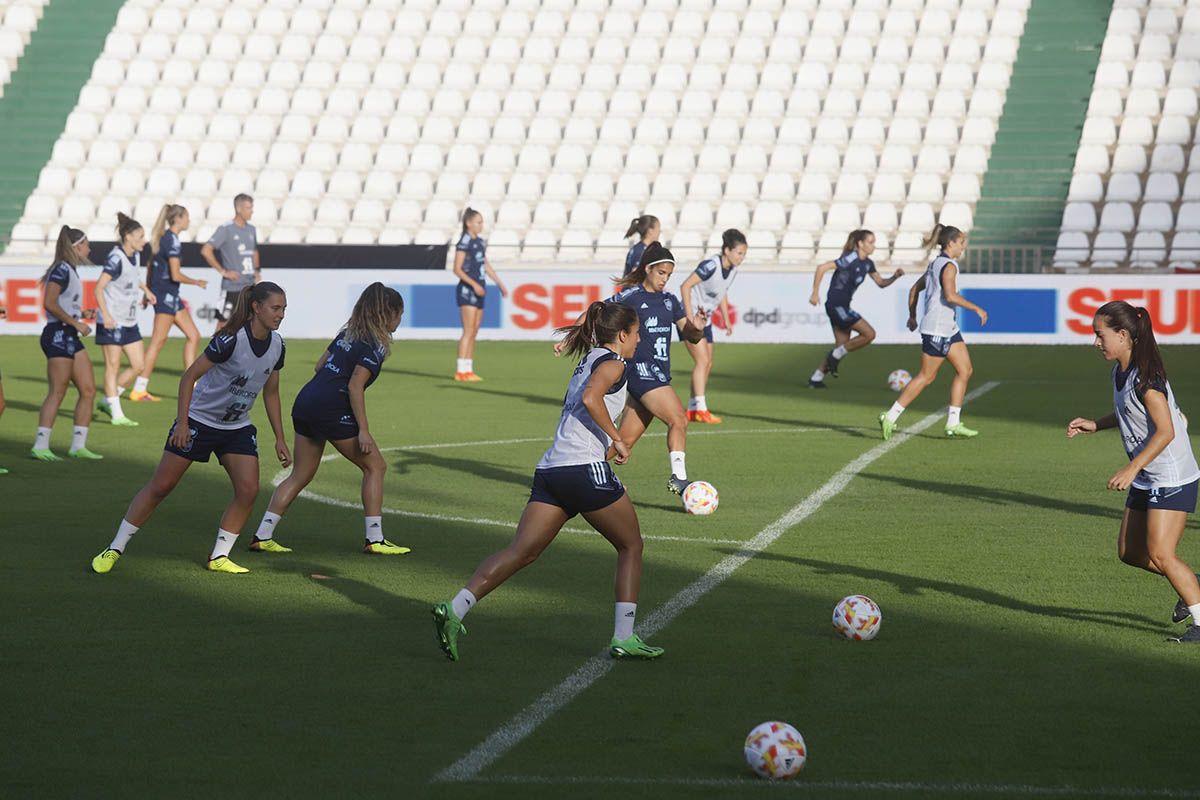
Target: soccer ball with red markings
pixel 857 617
pixel 700 497
pixel 775 750
pixel 898 379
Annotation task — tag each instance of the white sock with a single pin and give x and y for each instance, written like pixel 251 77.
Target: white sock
pixel 469 365
pixel 678 467
pixel 818 376
pixel 79 437
pixel 894 412
pixel 463 602
pixel 954 416
pixel 462 365
pixel 42 440
pixel 266 528
pixel 140 384
pixel 225 540
pixel 124 534
pixel 691 404
pixel 1195 610
pixel 623 623
pixel 839 351
pixel 701 404
pixel 114 403
pixel 374 529
pixel 120 391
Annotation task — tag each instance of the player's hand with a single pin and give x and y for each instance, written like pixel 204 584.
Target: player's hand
pixel 89 313
pixel 620 451
pixel 230 275
pixel 479 290
pixel 1080 425
pixel 815 299
pixel 83 328
pixel 366 443
pixel 897 274
pixel 982 317
pixel 149 299
pixel 1124 477
pixel 203 284
pixel 181 437
pixel 912 323
pixel 728 328
pixel 699 319
pixel 282 453
pixel 3 312
pixel 503 290
pixel 559 346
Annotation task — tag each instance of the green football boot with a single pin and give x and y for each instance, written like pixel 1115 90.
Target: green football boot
pixel 449 627
pixel 633 647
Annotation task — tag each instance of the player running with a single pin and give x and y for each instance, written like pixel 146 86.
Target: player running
pixel 940 336
pixel 849 271
pixel 574 477
pixel 706 288
pixel 1162 475
pixel 119 291
pixel 332 407
pixel 215 397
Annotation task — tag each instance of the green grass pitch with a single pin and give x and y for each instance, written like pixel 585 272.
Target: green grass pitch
pixel 1017 656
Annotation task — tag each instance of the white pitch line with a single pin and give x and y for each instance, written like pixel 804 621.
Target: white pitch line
pixel 802 785
pixel 511 733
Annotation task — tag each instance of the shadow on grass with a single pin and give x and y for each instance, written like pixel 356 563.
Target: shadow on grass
pixel 469 466
pixel 913 585
pixel 862 432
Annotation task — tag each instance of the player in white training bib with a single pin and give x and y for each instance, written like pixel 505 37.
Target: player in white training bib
pixel 574 477
pixel 216 394
pixel 707 289
pixel 1162 475
pixel 119 292
pixel 940 337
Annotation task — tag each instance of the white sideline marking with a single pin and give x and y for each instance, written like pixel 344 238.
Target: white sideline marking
pixel 530 719
pixel 801 785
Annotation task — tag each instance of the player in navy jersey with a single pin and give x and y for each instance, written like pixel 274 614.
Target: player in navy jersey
pixel 849 271
pixel 66 360
pixel 1162 475
pixel 119 292
pixel 647 228
pixel 941 339
pixel 470 266
pixel 166 276
pixel 707 289
pixel 332 408
pixel 574 477
pixel 3 316
pixel 216 394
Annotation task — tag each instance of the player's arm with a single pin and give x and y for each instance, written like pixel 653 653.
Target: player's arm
pixel 602 379
pixel 55 309
pixel 321 361
pixel 725 315
pixel 1084 425
pixel 491 273
pixel 187 383
pixel 210 257
pixel 460 258
pixel 883 282
pixel 950 292
pixel 275 415
pixel 913 294
pixel 685 292
pixel 692 328
pixel 819 276
pixel 176 268
pixel 101 304
pixel 357 388
pixel 257 267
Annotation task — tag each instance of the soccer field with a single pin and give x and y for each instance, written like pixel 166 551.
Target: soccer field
pixel 1017 657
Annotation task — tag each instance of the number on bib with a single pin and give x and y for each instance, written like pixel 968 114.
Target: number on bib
pixel 234 411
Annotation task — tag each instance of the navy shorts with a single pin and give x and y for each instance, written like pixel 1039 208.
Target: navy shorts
pixel 577 489
pixel 643 378
pixel 1164 498
pixel 842 316
pixel 127 334
pixel 466 296
pixel 938 346
pixel 207 440
pixel 167 302
pixel 59 341
pixel 323 430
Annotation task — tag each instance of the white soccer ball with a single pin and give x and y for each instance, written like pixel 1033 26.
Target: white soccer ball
pixel 857 617
pixel 775 750
pixel 898 379
pixel 700 497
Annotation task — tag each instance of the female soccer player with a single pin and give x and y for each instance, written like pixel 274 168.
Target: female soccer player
pixel 332 407
pixel 470 264
pixel 166 276
pixel 3 315
pixel 1162 475
pixel 706 289
pixel 647 228
pixel 243 359
pixel 66 360
pixel 940 336
pixel 118 293
pixel 574 477
pixel 849 271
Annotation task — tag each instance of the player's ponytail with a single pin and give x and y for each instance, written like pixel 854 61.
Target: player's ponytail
pixel 126 226
pixel 855 239
pixel 166 217
pixel 641 226
pixel 1136 322
pixel 941 235
pixel 243 308
pixel 64 249
pixel 371 319
pixel 601 324
pixel 654 253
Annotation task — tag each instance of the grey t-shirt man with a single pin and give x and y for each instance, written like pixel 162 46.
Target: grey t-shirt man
pixel 235 246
